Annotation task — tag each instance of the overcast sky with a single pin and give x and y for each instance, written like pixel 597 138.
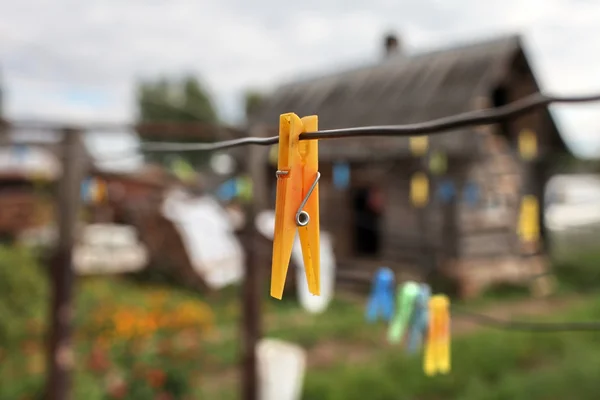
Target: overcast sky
pixel 77 60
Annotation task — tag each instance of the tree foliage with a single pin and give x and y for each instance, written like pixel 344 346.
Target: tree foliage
pixel 183 100
pixel 253 101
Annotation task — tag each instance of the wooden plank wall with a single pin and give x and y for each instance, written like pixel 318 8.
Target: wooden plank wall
pixel 488 229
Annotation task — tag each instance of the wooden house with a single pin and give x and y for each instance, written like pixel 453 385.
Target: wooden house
pixel 471 239
pixel 27 174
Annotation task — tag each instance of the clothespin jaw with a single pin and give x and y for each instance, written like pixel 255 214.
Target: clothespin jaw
pixel 437 350
pixel 297 202
pixel 381 301
pixel 528 147
pixel 419 189
pixel 420 320
pixel 405 302
pixel 529 225
pixel 418 145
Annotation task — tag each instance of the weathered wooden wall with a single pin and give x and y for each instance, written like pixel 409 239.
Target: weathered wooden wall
pixel 488 228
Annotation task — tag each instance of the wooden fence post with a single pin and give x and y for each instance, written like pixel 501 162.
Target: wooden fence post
pixel 60 353
pixel 252 286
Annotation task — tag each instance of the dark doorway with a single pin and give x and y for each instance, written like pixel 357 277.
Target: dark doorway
pixel 366 224
pixel 500 99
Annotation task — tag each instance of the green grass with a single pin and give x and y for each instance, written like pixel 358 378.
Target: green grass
pixel 494 365
pixel 486 365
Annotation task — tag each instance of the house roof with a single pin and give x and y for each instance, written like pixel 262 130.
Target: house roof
pixel 402 89
pixel 28 162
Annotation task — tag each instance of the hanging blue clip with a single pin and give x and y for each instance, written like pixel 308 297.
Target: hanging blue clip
pixel 381 301
pixel 471 194
pixel 228 190
pixel 341 175
pixel 420 319
pixel 446 190
pixel 86 189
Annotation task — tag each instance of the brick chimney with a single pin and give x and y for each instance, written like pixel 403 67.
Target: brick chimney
pixel 392 45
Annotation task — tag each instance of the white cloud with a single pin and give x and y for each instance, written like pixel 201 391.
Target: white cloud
pixel 50 47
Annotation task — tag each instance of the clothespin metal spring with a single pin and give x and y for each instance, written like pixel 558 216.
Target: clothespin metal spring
pixel 302 217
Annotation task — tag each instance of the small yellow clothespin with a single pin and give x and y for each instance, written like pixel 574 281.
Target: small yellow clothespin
pixel 438 163
pixel 419 145
pixel 529 225
pixel 297 202
pixel 419 189
pixel 437 348
pixel 527 144
pixel 273 151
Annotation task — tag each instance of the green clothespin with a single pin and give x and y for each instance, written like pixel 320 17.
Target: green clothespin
pixel 244 188
pixel 183 170
pixel 405 302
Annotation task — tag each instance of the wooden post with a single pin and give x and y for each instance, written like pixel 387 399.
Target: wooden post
pixel 60 353
pixel 252 285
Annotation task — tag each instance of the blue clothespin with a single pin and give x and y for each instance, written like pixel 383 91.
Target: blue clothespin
pixel 86 186
pixel 420 319
pixel 471 194
pixel 341 175
pixel 228 190
pixel 446 190
pixel 381 301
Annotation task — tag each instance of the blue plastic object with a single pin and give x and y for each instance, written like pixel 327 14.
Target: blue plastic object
pixel 471 194
pixel 420 320
pixel 381 300
pixel 341 175
pixel 446 191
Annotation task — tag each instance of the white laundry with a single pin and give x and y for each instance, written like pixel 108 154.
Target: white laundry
pixel 207 234
pixel 281 370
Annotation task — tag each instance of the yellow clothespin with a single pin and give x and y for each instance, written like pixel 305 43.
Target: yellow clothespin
pixel 419 145
pixel 527 144
pixel 437 348
pixel 529 225
pixel 438 163
pixel 419 189
pixel 273 151
pixel 297 202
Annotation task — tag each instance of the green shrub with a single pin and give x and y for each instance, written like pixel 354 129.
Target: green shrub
pixel 580 270
pixel 23 293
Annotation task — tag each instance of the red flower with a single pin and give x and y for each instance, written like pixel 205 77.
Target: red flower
pixel 156 378
pixel 98 360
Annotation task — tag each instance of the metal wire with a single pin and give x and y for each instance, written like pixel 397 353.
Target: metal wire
pixel 441 125
pixel 505 325
pixel 437 126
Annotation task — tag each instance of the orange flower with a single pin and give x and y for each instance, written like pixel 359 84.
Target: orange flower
pixel 124 323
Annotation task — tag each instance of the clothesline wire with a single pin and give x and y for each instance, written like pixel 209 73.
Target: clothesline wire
pixel 511 325
pixel 437 126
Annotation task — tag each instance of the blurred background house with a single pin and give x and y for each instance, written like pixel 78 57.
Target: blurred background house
pixel 471 223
